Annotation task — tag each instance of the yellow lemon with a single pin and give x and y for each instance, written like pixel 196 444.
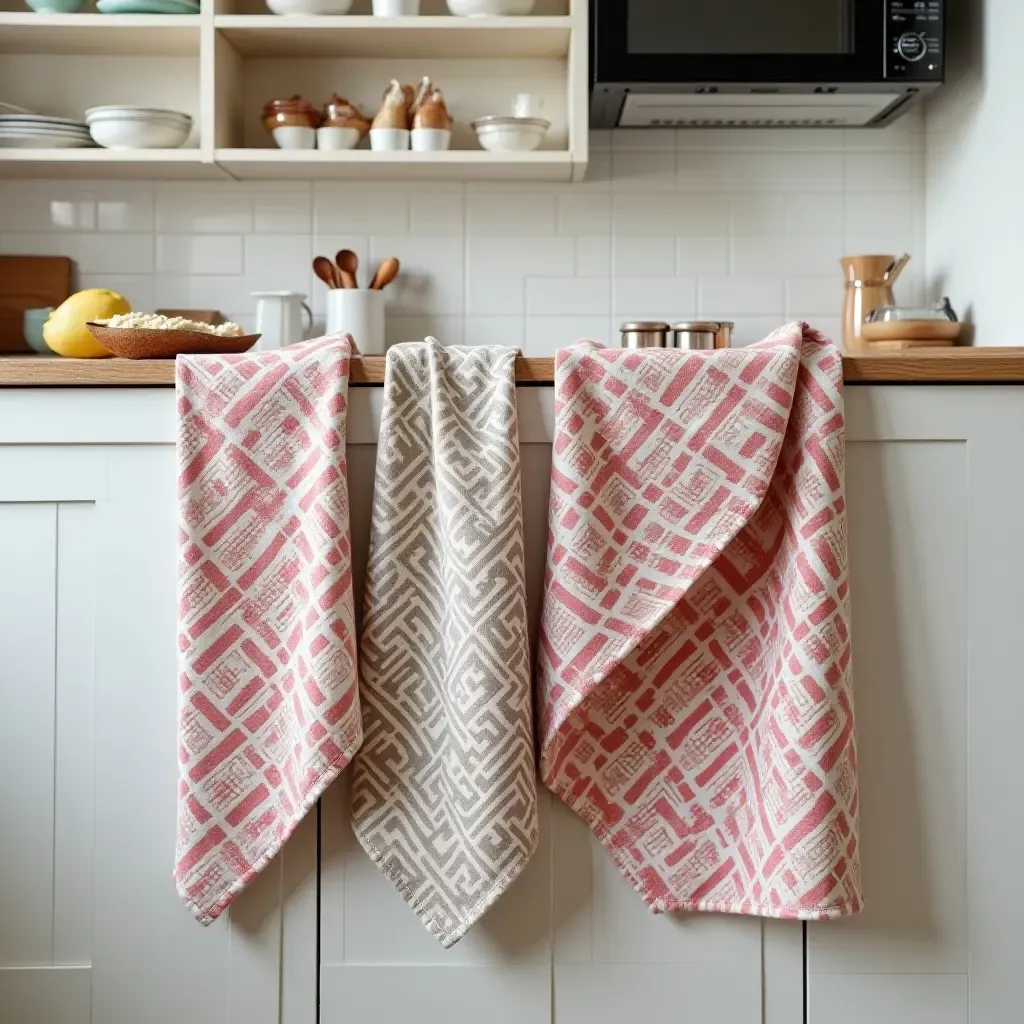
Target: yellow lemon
pixel 65 331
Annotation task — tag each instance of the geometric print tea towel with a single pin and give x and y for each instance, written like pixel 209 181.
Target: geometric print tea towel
pixel 444 789
pixel 268 706
pixel 694 663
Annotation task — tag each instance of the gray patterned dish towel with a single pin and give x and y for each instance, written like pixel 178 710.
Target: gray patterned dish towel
pixel 444 794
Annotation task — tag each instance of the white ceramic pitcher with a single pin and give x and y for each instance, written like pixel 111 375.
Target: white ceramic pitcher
pixel 279 319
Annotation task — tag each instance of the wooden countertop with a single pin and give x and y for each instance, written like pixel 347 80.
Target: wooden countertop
pixel 938 366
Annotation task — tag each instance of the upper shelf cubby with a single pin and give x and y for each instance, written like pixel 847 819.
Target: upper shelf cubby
pixel 222 64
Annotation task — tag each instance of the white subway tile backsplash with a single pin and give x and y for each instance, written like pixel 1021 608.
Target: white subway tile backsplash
pixel 806 257
pixel 44 206
pixel 199 254
pixel 124 253
pixel 643 171
pixel 126 212
pixel 808 297
pixel 584 214
pixel 511 213
pixel 494 330
pixel 432 277
pixel 729 297
pixel 671 213
pixel 890 171
pixel 634 257
pixel 556 296
pixel 276 262
pixel 758 214
pixel 187 209
pixel 813 215
pixel 743 225
pixel 441 214
pixel 282 210
pixel 593 256
pixel 360 209
pixel 447 329
pixel 654 297
pixel 702 256
pixel 497 268
pixel 545 335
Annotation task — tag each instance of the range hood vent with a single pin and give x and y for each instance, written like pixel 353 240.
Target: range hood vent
pixel 779 110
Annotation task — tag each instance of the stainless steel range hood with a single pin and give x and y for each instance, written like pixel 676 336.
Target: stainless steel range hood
pixel 752 106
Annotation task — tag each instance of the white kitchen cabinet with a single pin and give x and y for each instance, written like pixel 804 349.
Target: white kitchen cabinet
pixel 92 929
pixel 936 489
pixel 90 925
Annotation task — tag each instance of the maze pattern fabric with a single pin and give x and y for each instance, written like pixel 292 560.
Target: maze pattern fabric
pixel 269 712
pixel 694 663
pixel 444 792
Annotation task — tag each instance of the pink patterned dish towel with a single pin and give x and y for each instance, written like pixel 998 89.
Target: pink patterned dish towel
pixel 269 711
pixel 694 664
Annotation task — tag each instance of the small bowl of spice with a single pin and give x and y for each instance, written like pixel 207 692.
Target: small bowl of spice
pixel 292 122
pixel 154 336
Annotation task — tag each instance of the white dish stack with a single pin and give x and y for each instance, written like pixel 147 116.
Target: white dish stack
pixel 131 127
pixel 34 131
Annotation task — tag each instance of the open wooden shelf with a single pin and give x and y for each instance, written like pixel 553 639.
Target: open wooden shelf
pixel 106 163
pixel 366 36
pixel 364 164
pixel 162 35
pixel 220 68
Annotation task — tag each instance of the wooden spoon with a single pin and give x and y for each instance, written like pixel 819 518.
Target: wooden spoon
pixel 326 271
pixel 386 273
pixel 348 267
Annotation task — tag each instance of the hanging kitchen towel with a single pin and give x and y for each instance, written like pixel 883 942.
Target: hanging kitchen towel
pixel 444 790
pixel 268 707
pixel 694 664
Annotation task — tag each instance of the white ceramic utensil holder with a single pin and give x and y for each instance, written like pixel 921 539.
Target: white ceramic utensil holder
pixel 359 312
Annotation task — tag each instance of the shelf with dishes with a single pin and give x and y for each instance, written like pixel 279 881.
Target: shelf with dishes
pixel 513 104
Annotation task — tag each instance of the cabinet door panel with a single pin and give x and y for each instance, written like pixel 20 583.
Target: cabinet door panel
pixel 571 939
pixel 92 926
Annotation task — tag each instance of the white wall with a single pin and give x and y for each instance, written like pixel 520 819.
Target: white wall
pixel 745 225
pixel 975 142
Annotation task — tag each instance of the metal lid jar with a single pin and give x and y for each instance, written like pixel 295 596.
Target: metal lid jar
pixel 644 334
pixel 694 334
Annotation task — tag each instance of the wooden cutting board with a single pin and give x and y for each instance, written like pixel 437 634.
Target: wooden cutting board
pixel 29 282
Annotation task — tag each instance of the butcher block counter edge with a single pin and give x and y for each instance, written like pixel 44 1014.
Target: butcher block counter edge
pixel 940 366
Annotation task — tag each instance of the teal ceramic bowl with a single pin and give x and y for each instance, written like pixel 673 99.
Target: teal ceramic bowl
pixel 56 7
pixel 32 329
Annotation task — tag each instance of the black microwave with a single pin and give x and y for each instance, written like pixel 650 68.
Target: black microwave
pixel 762 63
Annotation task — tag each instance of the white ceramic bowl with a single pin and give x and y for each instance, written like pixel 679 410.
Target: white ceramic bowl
pixel 511 134
pixel 292 136
pixel 430 140
pixel 389 139
pixel 332 137
pixel 134 131
pixel 129 111
pixel 489 8
pixel 287 7
pixel 396 8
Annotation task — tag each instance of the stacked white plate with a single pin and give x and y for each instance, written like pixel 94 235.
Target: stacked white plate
pixel 34 131
pixel 138 127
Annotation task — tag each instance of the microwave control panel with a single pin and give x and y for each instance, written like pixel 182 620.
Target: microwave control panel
pixel 914 39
